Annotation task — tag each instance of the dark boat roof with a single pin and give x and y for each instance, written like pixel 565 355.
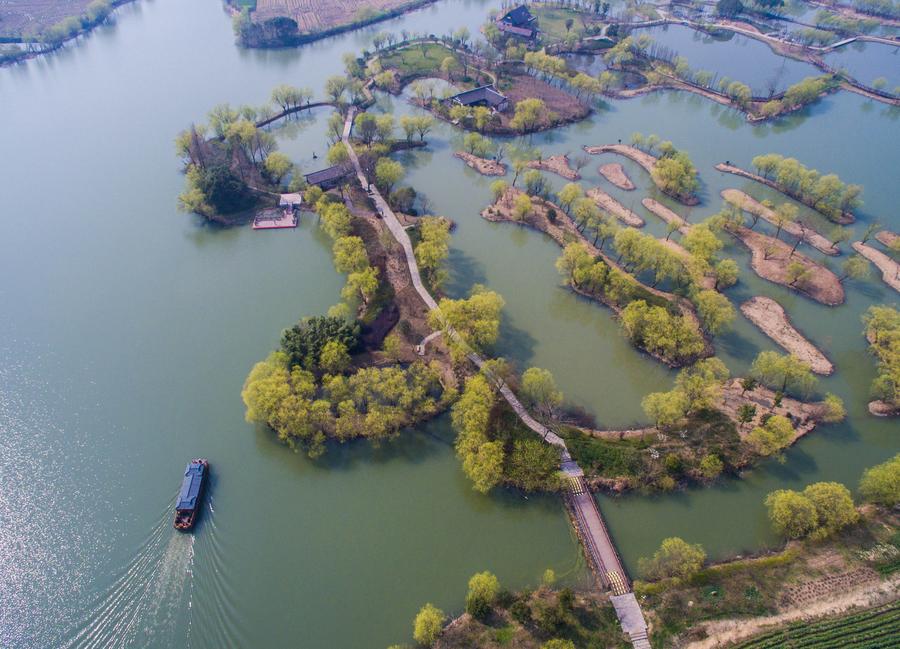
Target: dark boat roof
pixel 190 486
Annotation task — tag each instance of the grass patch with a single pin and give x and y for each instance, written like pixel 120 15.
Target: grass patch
pixel 418 60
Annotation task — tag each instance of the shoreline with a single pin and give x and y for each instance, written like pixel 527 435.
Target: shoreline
pixel 645 160
pixel 558 164
pixel 609 204
pixel 810 236
pixel 890 269
pixel 770 317
pixel 615 174
pixel 846 218
pixel 482 165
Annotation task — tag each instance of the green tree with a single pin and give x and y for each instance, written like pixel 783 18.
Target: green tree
pixel 558 643
pixel 792 514
pixel 539 390
pixel 715 311
pixel 388 173
pixel 665 408
pixel 528 114
pixel 881 483
pixel 277 165
pixel 711 466
pixel 334 358
pixel 498 189
pixel 303 343
pixel 523 207
pixel 854 267
pixel 483 590
pixel 350 255
pixel 834 507
pixel 674 558
pixel 782 372
pixel 428 625
pixel 701 383
pixel 570 193
pixel 774 435
pixel 433 248
pixel 726 273
pixel 475 319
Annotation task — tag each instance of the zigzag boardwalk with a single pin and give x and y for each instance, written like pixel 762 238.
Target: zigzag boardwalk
pixel 601 552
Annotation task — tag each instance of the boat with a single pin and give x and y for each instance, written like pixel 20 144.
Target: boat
pixel 191 495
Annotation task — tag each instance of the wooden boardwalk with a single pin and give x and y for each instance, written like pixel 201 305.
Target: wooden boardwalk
pixel 602 555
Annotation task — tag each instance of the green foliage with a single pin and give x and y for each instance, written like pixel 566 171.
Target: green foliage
pixel 433 248
pixel 674 558
pixel 428 625
pixel 772 436
pixel 215 189
pixel 883 332
pixel 881 483
pixel 715 311
pixel 673 337
pixel 483 590
pixel 711 467
pixel 475 321
pixel 729 8
pixel 388 173
pixel 675 174
pixel 303 343
pixel 827 194
pixel 782 372
pixel 529 114
pixel 540 392
pixel 818 511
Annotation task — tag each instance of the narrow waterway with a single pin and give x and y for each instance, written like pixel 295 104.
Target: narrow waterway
pixel 128 329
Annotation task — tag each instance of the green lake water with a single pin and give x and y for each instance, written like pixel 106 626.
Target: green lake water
pixel 128 329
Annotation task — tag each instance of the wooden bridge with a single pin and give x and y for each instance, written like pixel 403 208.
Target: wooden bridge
pixel 601 553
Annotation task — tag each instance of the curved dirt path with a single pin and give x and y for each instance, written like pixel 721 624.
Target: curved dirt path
pixel 771 318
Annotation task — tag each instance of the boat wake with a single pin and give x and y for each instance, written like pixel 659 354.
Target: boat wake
pixel 148 604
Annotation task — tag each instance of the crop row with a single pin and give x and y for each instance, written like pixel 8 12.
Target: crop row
pixel 856 630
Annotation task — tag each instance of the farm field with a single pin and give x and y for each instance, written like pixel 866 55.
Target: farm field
pixel 868 629
pixel 322 15
pixel 23 17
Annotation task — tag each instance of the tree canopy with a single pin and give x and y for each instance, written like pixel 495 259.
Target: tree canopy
pixel 674 558
pixel 881 483
pixel 818 511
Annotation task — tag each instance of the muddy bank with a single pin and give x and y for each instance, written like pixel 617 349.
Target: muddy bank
pixel 558 164
pixel 881 408
pixel 646 160
pixel 481 165
pixel 750 204
pixel 771 318
pixel 666 214
pixel 615 173
pixel 887 238
pixel 771 259
pixel 846 217
pixel 890 269
pixel 609 204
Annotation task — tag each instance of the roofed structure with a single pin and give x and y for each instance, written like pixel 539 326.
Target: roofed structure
pixel 483 96
pixel 190 486
pixel 518 22
pixel 328 178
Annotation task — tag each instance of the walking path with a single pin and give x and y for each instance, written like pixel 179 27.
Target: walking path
pixel 588 518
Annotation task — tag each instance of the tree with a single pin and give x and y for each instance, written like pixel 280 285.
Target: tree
pixel 539 390
pixel 366 128
pixel 523 207
pixel 388 173
pixel 711 467
pixel 483 590
pixel 726 273
pixel 350 255
pixel 433 248
pixel 792 515
pixel 715 311
pixel 675 174
pixel 746 413
pixel 701 241
pixel 277 165
pixel 558 643
pixel 665 408
pixel 772 436
pixel 674 558
pixel 701 383
pixel 335 87
pixel 881 483
pixel 570 193
pixel 334 358
pixel 834 507
pixel 528 114
pixel 428 625
pixel 449 65
pixel 337 154
pixel 782 372
pixel 303 343
pixel 854 267
pixel 476 320
pixel 498 189
pixel 362 283
pixel 477 145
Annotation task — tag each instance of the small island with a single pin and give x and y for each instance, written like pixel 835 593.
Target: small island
pixel 771 318
pixel 615 173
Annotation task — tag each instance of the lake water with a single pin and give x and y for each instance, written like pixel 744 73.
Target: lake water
pixel 130 327
pixel 868 62
pixel 735 56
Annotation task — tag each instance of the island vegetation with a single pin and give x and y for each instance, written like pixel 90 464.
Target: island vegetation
pixel 883 333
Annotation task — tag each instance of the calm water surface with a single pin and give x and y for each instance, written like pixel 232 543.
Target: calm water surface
pixel 129 328
pixel 868 62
